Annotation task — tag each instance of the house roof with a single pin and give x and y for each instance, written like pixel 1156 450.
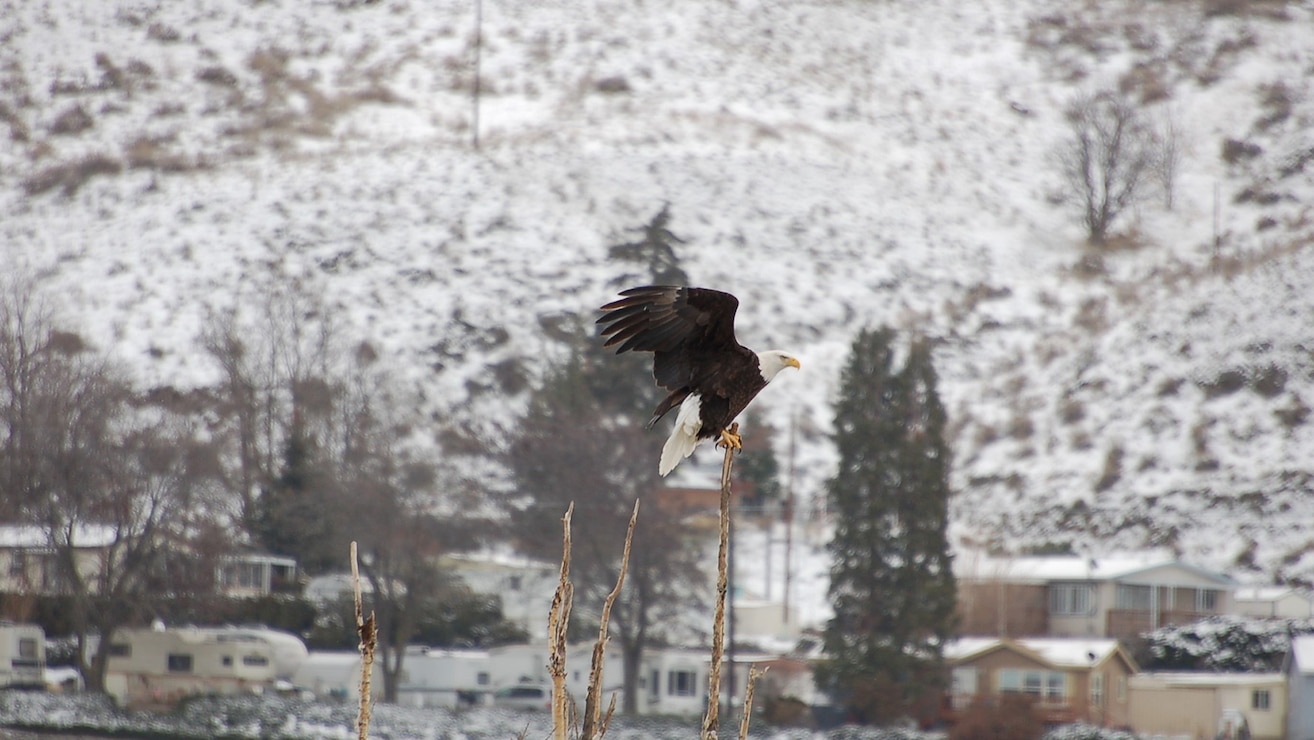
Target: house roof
pixel 1206 678
pixel 1266 593
pixel 260 557
pixel 1302 652
pixel 1056 652
pixel 1041 569
pixel 14 536
pixel 1072 653
pixel 498 558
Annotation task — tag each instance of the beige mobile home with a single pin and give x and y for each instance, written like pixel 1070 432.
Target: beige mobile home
pixel 1070 679
pixel 22 655
pixel 153 668
pixel 1193 703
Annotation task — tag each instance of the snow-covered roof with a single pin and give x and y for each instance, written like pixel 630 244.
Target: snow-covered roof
pixel 964 647
pixel 1266 593
pixel 1050 568
pixel 1060 652
pixel 1206 678
pixel 332 586
pixel 1302 651
pixel 499 557
pixel 14 536
pixel 1071 652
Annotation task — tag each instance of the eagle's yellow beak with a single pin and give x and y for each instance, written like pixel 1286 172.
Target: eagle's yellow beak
pixel 793 362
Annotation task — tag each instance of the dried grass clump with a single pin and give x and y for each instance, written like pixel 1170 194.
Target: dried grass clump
pixel 72 120
pixel 153 153
pixel 217 75
pixel 70 176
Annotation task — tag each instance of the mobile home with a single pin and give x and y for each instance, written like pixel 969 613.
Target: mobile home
pixel 1195 703
pixel 22 655
pixel 151 668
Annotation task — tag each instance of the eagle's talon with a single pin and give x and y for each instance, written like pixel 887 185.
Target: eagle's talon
pixel 730 439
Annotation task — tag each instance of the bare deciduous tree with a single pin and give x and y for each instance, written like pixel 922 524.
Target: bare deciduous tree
pixel 318 436
pixel 95 474
pixel 390 509
pixel 1169 159
pixel 281 399
pixel 1106 159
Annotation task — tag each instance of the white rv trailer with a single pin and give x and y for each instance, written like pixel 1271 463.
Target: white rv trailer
pixel 22 655
pixel 159 667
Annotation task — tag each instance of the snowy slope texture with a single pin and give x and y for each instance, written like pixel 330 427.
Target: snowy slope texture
pixel 835 164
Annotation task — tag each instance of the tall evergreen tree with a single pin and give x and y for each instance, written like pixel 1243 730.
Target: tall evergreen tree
pixel 293 514
pixel 757 465
pixel 892 587
pixel 655 250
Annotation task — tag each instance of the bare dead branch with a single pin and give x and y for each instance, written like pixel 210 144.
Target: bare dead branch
pixel 606 718
pixel 712 722
pixel 753 675
pixel 592 701
pixel 558 620
pixel 369 639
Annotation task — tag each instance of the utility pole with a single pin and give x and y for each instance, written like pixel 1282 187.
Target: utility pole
pixel 787 513
pixel 478 49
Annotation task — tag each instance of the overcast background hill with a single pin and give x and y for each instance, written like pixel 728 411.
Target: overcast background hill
pixel 835 164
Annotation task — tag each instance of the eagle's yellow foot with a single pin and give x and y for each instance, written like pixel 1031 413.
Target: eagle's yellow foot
pixel 730 438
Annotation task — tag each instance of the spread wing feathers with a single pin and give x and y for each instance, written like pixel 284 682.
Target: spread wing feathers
pixel 681 326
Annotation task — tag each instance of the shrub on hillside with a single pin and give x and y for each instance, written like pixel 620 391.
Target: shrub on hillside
pixel 70 176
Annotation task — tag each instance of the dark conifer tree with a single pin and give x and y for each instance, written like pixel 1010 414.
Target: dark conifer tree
pixel 292 517
pixel 892 587
pixel 757 465
pixel 655 250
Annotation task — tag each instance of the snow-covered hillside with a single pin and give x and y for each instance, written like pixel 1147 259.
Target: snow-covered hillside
pixel 835 164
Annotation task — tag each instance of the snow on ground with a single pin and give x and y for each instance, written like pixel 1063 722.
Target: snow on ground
pixel 263 717
pixel 834 164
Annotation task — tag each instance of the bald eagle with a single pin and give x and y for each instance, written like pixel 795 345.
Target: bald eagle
pixel 710 376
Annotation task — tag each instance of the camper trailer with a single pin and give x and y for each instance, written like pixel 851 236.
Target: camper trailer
pixel 22 655
pixel 155 668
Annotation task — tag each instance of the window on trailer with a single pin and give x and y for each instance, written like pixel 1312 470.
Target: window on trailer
pixel 180 662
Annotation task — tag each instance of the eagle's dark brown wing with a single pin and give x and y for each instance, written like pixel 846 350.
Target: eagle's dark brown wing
pixel 688 330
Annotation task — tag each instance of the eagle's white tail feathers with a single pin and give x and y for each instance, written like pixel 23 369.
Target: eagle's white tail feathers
pixel 684 437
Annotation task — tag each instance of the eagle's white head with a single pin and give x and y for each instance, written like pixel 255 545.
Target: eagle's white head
pixel 773 361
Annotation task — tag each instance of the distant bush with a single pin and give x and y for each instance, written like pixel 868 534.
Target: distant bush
pixel 1008 717
pixel 1223 644
pixel 1294 414
pixel 1267 8
pixel 154 154
pixel 160 32
pixel 1105 160
pixel 216 75
pixel 1276 100
pixel 72 120
pixel 1112 469
pixel 70 176
pixel 1235 150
